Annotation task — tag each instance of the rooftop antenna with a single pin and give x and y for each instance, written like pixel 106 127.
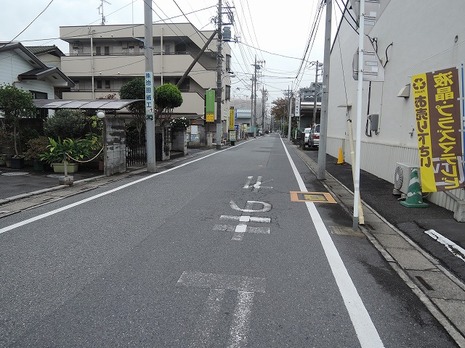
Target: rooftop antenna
pixel 100 10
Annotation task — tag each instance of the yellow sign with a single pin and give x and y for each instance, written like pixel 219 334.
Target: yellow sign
pixel 439 129
pixel 420 93
pixel 231 118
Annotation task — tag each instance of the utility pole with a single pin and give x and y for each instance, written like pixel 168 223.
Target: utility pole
pixel 289 96
pixel 321 175
pixel 263 108
pixel 257 66
pixel 149 103
pixel 219 66
pixel 358 140
pixel 315 94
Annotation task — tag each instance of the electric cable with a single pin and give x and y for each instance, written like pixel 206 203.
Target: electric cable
pixel 22 31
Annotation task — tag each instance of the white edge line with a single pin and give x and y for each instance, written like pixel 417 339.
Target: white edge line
pixel 89 199
pixel 365 329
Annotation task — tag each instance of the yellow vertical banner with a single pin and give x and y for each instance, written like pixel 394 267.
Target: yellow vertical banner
pixel 232 119
pixel 423 125
pixel 210 105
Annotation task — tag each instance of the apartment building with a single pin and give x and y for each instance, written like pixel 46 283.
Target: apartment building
pixel 103 57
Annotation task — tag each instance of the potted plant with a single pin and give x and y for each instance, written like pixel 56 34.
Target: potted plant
pixel 35 147
pixel 63 155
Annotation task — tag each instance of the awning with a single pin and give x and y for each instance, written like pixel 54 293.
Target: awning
pixel 98 104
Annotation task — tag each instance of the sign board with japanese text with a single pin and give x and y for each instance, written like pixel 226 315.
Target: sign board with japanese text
pixel 149 107
pixel 210 105
pixel 439 127
pixel 297 107
pixel 232 118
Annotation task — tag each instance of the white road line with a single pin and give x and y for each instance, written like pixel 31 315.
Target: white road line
pixel 365 329
pixel 248 208
pixel 89 199
pixel 248 181
pixel 241 320
pixel 455 249
pixel 258 184
pixel 250 229
pixel 248 218
pixel 208 320
pixel 222 281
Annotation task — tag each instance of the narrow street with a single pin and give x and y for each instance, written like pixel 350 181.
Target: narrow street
pixel 242 247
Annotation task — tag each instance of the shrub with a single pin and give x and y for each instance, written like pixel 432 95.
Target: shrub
pixel 67 124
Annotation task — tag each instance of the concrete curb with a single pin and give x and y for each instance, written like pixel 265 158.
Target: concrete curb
pixel 381 237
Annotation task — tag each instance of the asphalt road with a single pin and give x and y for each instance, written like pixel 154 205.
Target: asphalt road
pixel 212 253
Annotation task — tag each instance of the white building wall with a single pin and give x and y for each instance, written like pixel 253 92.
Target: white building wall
pixel 13 65
pixel 411 39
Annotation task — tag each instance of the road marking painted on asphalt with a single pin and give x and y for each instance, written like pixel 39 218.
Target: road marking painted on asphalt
pixel 241 320
pixel 242 227
pixel 103 194
pixel 222 281
pixel 208 319
pixel 450 245
pixel 258 184
pixel 249 205
pixel 218 283
pixel 245 218
pixel 366 331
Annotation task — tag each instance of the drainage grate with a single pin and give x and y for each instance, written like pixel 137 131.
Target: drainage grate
pixel 424 283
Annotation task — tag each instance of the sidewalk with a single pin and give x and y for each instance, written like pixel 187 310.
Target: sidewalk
pixel 377 193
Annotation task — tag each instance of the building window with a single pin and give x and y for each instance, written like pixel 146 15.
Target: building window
pixel 180 48
pixel 39 95
pixel 228 63
pixel 98 51
pixel 107 50
pixel 227 92
pixel 107 84
pixel 99 84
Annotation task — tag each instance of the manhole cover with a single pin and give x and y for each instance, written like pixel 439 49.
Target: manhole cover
pixel 15 173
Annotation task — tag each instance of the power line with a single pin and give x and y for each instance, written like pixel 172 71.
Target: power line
pixel 22 31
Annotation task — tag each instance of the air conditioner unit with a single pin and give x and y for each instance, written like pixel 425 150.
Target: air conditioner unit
pixel 402 176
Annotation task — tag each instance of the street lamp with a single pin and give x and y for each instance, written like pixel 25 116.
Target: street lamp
pixel 101 116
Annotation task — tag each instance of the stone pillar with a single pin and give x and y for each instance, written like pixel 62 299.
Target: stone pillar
pixel 115 146
pixel 179 142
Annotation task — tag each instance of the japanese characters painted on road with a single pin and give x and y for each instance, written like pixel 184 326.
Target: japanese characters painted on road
pixel 439 129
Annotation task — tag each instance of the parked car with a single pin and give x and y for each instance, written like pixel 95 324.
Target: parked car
pixel 307 132
pixel 314 140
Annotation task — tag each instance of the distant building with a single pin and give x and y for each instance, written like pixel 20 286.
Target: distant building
pixel 309 110
pixel 104 57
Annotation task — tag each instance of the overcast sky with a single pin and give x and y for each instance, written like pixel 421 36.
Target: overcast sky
pixel 276 32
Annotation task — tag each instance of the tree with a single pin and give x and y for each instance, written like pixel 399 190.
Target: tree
pixel 279 109
pixel 67 123
pixel 135 89
pixel 167 97
pixel 15 104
